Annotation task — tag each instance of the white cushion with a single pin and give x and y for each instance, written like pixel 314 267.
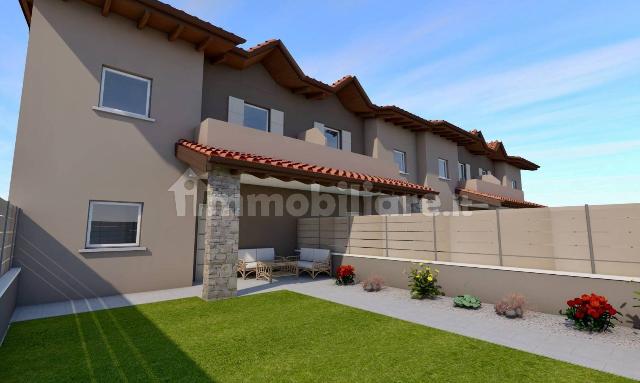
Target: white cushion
pixel 306 254
pixel 321 255
pixel 251 265
pixel 266 254
pixel 305 264
pixel 247 255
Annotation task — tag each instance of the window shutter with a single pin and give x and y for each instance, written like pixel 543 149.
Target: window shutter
pixel 236 111
pixel 460 171
pixel 346 140
pixel 467 167
pixel 480 171
pixel 277 122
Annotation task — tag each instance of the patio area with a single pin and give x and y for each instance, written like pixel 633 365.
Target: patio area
pixel 540 334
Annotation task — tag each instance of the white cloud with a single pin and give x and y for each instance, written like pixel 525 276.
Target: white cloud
pixel 532 83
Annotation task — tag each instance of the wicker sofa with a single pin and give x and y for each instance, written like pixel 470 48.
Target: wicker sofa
pixel 248 259
pixel 314 261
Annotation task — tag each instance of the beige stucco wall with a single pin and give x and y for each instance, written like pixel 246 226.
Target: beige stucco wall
pixel 235 137
pixel 256 86
pixel 430 148
pixel 67 154
pixel 506 173
pixel 382 138
pixel 475 161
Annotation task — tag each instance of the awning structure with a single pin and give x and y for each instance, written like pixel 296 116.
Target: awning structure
pixel 495 200
pixel 203 158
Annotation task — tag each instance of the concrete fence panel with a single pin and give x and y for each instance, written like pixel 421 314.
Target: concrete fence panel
pixel 585 239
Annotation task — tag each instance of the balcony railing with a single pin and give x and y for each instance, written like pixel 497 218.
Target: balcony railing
pixel 222 134
pixel 492 185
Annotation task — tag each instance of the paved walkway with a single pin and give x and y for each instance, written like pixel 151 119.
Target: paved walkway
pixel 570 346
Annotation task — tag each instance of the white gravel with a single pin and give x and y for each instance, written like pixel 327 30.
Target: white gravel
pixel 537 322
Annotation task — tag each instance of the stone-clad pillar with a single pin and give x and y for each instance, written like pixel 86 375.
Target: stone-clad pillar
pixel 221 235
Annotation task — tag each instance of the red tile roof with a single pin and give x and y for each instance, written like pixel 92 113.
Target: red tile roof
pixel 493 145
pixel 504 201
pixel 313 171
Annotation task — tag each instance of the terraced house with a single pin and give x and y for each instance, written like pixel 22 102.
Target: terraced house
pixel 133 111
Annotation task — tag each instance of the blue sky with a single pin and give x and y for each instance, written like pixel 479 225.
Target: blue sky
pixel 557 81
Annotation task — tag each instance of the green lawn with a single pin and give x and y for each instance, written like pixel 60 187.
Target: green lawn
pixel 274 337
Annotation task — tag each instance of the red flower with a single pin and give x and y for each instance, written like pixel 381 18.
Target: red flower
pixel 612 311
pixel 579 314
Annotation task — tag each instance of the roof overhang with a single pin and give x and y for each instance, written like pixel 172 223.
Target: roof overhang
pixel 204 158
pixel 207 38
pixel 495 200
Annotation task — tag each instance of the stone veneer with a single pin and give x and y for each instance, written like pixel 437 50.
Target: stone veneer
pixel 221 235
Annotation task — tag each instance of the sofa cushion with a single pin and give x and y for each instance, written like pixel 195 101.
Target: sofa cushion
pixel 247 255
pixel 251 265
pixel 306 254
pixel 321 255
pixel 266 254
pixel 305 264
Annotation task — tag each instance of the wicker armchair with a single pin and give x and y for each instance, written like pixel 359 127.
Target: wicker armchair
pixel 314 261
pixel 247 262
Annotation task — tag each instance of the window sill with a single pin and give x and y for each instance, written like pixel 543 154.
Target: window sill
pixel 111 249
pixel 403 173
pixel 123 113
pixel 444 179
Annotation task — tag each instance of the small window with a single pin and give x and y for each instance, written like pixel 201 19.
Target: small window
pixel 113 224
pixel 333 138
pixel 443 169
pixel 125 92
pixel 514 184
pixel 462 172
pixel 400 159
pixel 482 172
pixel 256 117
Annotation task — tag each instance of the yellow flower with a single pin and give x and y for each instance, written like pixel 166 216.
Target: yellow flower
pixel 430 278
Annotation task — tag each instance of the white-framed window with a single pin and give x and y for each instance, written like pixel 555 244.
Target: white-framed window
pixel 514 184
pixel 443 168
pixel 113 224
pixel 256 117
pixel 125 93
pixel 333 138
pixel 482 172
pixel 462 171
pixel 400 158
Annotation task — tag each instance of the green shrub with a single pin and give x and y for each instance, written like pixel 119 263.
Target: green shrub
pixel 467 302
pixel 424 282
